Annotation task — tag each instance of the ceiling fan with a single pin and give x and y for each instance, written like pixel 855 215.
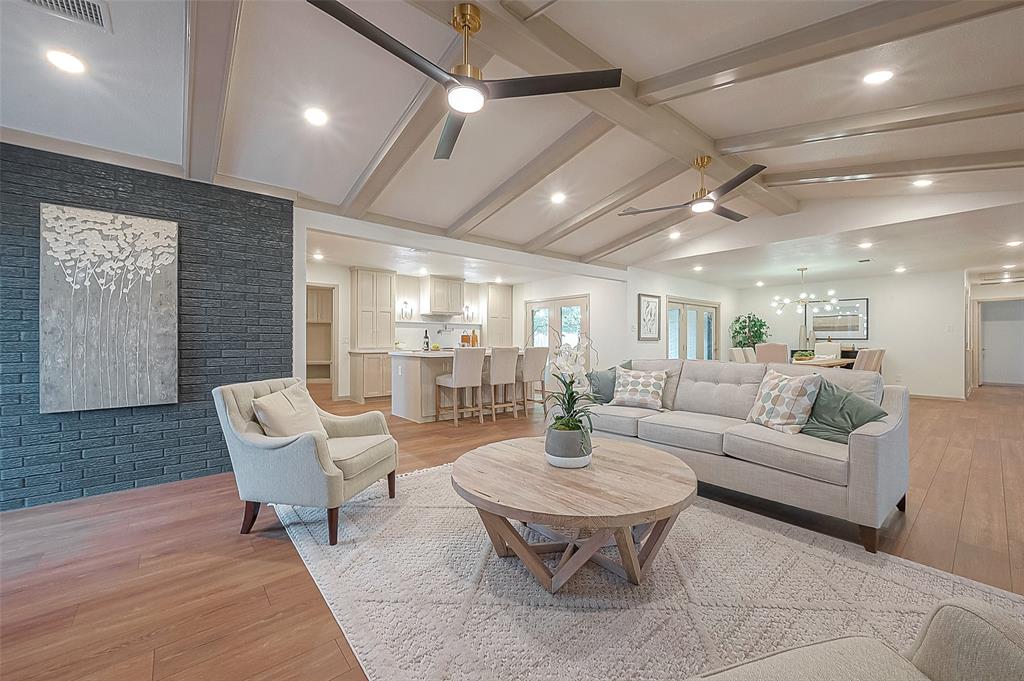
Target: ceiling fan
pixel 704 201
pixel 467 91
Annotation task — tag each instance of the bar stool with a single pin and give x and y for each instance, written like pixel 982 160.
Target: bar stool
pixel 503 373
pixel 535 361
pixel 467 372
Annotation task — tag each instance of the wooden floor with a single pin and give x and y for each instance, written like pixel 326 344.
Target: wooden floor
pixel 156 583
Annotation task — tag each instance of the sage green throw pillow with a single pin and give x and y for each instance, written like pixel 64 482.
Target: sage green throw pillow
pixel 838 412
pixel 602 383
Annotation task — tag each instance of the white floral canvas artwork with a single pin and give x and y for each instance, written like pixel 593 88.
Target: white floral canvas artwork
pixel 108 310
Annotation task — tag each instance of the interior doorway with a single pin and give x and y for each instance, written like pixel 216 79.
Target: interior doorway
pixel 1002 342
pixel 691 329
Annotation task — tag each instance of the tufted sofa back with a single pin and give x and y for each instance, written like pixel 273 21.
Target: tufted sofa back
pixel 721 388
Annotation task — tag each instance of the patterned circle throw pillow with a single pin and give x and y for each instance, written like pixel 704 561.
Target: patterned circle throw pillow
pixel 638 388
pixel 783 402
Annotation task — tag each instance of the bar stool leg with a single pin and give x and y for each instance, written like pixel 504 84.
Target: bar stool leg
pixel 515 405
pixel 494 418
pixel 480 402
pixel 455 406
pixel 544 398
pixel 437 403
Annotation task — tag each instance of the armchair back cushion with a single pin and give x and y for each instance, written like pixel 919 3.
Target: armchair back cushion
pixel 238 399
pixel 288 412
pixel 721 388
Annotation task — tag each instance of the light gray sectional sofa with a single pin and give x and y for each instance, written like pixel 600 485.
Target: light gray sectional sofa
pixel 703 422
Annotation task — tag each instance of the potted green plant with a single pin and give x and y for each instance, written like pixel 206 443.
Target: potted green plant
pixel 567 442
pixel 748 330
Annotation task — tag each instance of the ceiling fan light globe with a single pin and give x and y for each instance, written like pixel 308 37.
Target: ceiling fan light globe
pixel 702 206
pixel 465 99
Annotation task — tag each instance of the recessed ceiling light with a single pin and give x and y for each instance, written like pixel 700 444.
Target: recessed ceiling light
pixel 698 268
pixel 922 183
pixel 759 284
pixel 877 77
pixel 318 256
pixel 423 270
pixel 315 116
pixel 865 244
pixel 497 280
pixel 65 62
pixel 1014 244
pixel 558 197
pixel 1008 267
pixel 900 270
pixel 674 235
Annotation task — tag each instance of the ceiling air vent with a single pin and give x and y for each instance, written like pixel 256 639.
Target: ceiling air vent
pixel 89 12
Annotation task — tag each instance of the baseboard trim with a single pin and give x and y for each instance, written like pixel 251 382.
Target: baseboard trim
pixel 946 398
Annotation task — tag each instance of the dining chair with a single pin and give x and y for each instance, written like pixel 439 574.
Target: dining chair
pixel 736 355
pixel 749 355
pixel 828 350
pixel 535 361
pixel 772 352
pixel 869 359
pixel 502 374
pixel 467 373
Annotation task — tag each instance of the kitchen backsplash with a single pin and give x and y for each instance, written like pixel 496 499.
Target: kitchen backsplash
pixel 410 337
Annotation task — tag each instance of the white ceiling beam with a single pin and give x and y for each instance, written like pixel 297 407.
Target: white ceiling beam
pixel 613 201
pixel 211 30
pixel 541 46
pixel 560 152
pixel 419 119
pixel 543 7
pixel 993 160
pixel 982 105
pixel 650 229
pixel 861 29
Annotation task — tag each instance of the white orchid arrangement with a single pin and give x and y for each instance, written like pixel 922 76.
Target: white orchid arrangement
pixel 568 366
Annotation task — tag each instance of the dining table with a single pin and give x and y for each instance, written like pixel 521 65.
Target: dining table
pixel 826 361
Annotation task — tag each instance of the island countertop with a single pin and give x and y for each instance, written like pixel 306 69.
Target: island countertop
pixel 428 354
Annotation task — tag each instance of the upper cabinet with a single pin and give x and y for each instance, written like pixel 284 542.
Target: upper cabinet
pixel 441 296
pixel 319 305
pixel 498 326
pixel 373 308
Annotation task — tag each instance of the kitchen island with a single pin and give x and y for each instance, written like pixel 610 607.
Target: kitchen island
pixel 413 376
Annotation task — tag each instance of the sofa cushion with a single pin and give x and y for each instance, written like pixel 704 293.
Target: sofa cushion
pixel 353 455
pixel 722 388
pixel 837 412
pixel 638 388
pixel 867 384
pixel 618 420
pixel 800 454
pixel 783 402
pixel 288 412
pixel 689 430
pixel 672 369
pixel 602 383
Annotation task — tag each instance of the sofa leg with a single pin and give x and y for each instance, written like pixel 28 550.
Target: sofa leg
pixel 332 525
pixel 869 538
pixel 391 485
pixel 901 505
pixel 252 509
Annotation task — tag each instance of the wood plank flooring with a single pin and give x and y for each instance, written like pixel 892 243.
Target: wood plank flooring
pixel 156 583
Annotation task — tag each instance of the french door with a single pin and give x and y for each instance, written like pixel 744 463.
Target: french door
pixel 546 320
pixel 692 330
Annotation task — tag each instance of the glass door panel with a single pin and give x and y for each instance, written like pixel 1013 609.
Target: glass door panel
pixel 540 327
pixel 675 317
pixel 571 320
pixel 691 331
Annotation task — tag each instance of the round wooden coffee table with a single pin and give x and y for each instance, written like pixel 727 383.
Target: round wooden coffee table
pixel 630 494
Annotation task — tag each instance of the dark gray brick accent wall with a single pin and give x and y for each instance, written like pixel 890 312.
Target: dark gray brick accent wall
pixel 235 324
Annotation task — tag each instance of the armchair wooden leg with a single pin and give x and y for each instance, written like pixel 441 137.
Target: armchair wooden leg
pixel 332 525
pixel 391 485
pixel 901 505
pixel 252 509
pixel 869 538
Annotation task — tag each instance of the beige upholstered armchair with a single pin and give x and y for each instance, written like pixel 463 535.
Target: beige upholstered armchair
pixel 306 469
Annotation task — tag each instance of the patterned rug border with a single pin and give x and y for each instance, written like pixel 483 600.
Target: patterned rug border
pixel 795 537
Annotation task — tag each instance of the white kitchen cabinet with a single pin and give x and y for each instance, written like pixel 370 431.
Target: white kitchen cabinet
pixel 373 309
pixel 441 296
pixel 498 328
pixel 370 375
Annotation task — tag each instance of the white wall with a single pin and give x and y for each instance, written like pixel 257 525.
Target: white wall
pixel 918 318
pixel 997 291
pixel 1002 341
pixel 322 273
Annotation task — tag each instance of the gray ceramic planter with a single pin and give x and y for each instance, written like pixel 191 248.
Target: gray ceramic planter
pixel 568 448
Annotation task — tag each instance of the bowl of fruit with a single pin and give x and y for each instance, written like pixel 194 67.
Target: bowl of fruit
pixel 803 355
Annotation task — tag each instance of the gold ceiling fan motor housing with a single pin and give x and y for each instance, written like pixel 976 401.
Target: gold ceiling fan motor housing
pixel 466 22
pixel 700 164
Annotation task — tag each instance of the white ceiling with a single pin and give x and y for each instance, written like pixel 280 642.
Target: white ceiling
pixel 131 97
pixel 349 252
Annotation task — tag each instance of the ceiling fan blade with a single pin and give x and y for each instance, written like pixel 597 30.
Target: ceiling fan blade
pixel 723 189
pixel 449 135
pixel 553 84
pixel 641 211
pixel 726 213
pixel 375 35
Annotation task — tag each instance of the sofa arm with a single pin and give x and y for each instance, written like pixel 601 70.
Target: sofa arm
pixel 966 639
pixel 369 423
pixel 290 470
pixel 880 461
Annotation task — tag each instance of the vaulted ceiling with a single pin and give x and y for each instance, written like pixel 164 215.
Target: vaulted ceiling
pixel 217 91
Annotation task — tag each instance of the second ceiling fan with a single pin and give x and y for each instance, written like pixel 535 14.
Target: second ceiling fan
pixel 466 89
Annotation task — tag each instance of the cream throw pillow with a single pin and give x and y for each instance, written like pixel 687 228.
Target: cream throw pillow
pixel 638 388
pixel 288 412
pixel 783 402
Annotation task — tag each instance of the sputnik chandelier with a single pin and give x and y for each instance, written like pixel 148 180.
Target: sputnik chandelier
pixel 805 299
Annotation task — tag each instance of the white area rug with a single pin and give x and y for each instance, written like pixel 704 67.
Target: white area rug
pixel 420 595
